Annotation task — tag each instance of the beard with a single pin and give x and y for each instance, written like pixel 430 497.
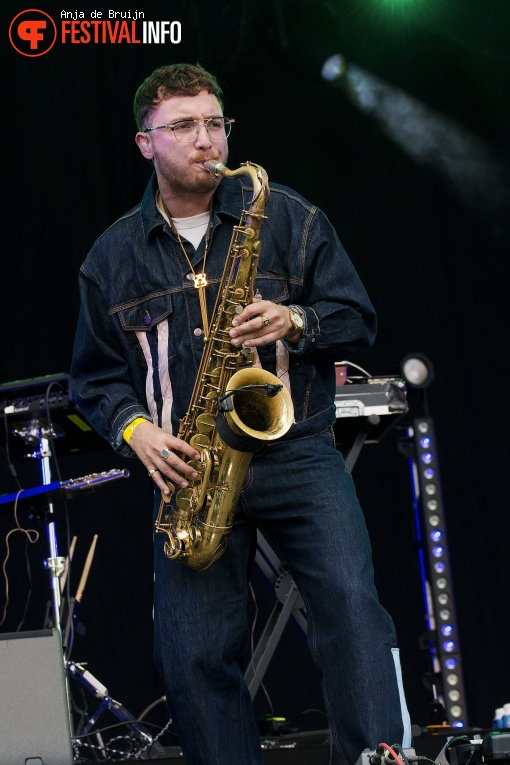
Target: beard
pixel 179 174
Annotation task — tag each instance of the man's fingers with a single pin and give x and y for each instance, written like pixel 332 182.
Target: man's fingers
pixel 161 484
pixel 173 466
pixel 182 446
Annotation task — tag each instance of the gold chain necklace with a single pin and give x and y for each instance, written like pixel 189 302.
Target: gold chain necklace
pixel 199 279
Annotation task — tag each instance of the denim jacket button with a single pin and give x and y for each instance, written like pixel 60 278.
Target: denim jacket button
pixel 189 277
pixel 198 332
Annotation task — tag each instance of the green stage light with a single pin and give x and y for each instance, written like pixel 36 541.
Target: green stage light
pixel 398 6
pixel 397 3
pixel 400 13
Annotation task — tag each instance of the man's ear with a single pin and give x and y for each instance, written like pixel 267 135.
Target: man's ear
pixel 145 146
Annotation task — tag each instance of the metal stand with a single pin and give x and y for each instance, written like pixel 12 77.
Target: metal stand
pixel 55 564
pixel 100 691
pixel 370 422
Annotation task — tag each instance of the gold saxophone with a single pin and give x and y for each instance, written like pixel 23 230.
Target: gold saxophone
pixel 234 407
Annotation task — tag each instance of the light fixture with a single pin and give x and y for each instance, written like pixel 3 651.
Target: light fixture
pixel 436 568
pixel 417 370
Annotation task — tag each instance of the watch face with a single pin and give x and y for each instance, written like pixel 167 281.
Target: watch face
pixel 296 319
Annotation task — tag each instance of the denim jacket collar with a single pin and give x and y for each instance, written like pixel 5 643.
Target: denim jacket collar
pixel 228 200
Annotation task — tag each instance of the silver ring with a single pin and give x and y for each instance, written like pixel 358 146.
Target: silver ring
pixel 165 454
pixel 151 472
pixel 265 321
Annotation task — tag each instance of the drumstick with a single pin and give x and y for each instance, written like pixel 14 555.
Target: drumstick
pixel 86 569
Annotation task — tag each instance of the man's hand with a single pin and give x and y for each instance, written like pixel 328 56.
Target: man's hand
pixel 148 442
pixel 263 322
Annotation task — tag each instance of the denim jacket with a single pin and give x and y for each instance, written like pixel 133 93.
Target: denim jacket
pixel 139 339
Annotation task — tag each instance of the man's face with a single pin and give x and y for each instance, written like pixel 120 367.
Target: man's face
pixel 179 166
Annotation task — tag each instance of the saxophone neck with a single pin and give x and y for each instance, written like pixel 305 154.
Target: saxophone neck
pixel 256 173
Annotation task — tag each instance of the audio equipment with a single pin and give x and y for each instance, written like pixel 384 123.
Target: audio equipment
pixel 366 411
pixel 44 406
pixel 34 717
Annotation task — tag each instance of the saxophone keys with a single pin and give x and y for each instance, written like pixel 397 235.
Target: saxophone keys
pixel 172 549
pixel 184 500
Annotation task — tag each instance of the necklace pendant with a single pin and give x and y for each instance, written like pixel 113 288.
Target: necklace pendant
pixel 200 280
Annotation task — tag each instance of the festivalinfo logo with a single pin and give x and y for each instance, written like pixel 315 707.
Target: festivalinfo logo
pixel 34 32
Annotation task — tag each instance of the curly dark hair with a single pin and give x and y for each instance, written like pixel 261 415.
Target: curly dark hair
pixel 172 80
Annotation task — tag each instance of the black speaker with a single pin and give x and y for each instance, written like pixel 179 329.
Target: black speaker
pixel 34 715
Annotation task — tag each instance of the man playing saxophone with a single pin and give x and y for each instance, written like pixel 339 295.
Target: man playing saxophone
pixel 148 292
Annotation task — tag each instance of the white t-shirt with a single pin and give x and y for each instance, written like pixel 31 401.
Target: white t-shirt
pixel 193 229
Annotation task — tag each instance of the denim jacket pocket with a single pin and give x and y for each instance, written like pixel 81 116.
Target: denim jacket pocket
pixel 148 324
pixel 143 314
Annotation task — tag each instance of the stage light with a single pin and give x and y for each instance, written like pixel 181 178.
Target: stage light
pixel 466 162
pixel 435 563
pixel 417 370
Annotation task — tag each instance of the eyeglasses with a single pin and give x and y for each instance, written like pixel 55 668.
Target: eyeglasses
pixel 186 131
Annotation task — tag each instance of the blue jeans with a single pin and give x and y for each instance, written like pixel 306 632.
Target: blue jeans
pixel 301 495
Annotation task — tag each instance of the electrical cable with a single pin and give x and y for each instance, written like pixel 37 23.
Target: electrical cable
pixel 107 749
pixel 351 364
pixel 12 469
pixel 29 596
pixel 401 753
pixel 252 646
pixel 145 712
pixel 392 752
pixel 33 540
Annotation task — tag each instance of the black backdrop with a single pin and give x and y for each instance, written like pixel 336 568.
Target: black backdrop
pixel 434 260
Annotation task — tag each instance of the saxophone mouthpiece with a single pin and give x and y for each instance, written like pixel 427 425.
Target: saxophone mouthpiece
pixel 215 168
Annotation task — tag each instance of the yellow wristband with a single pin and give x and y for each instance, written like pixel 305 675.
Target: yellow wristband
pixel 128 432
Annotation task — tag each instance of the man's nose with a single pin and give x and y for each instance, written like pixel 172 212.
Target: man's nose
pixel 203 139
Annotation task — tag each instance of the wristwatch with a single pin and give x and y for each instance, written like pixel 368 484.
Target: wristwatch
pixel 296 316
